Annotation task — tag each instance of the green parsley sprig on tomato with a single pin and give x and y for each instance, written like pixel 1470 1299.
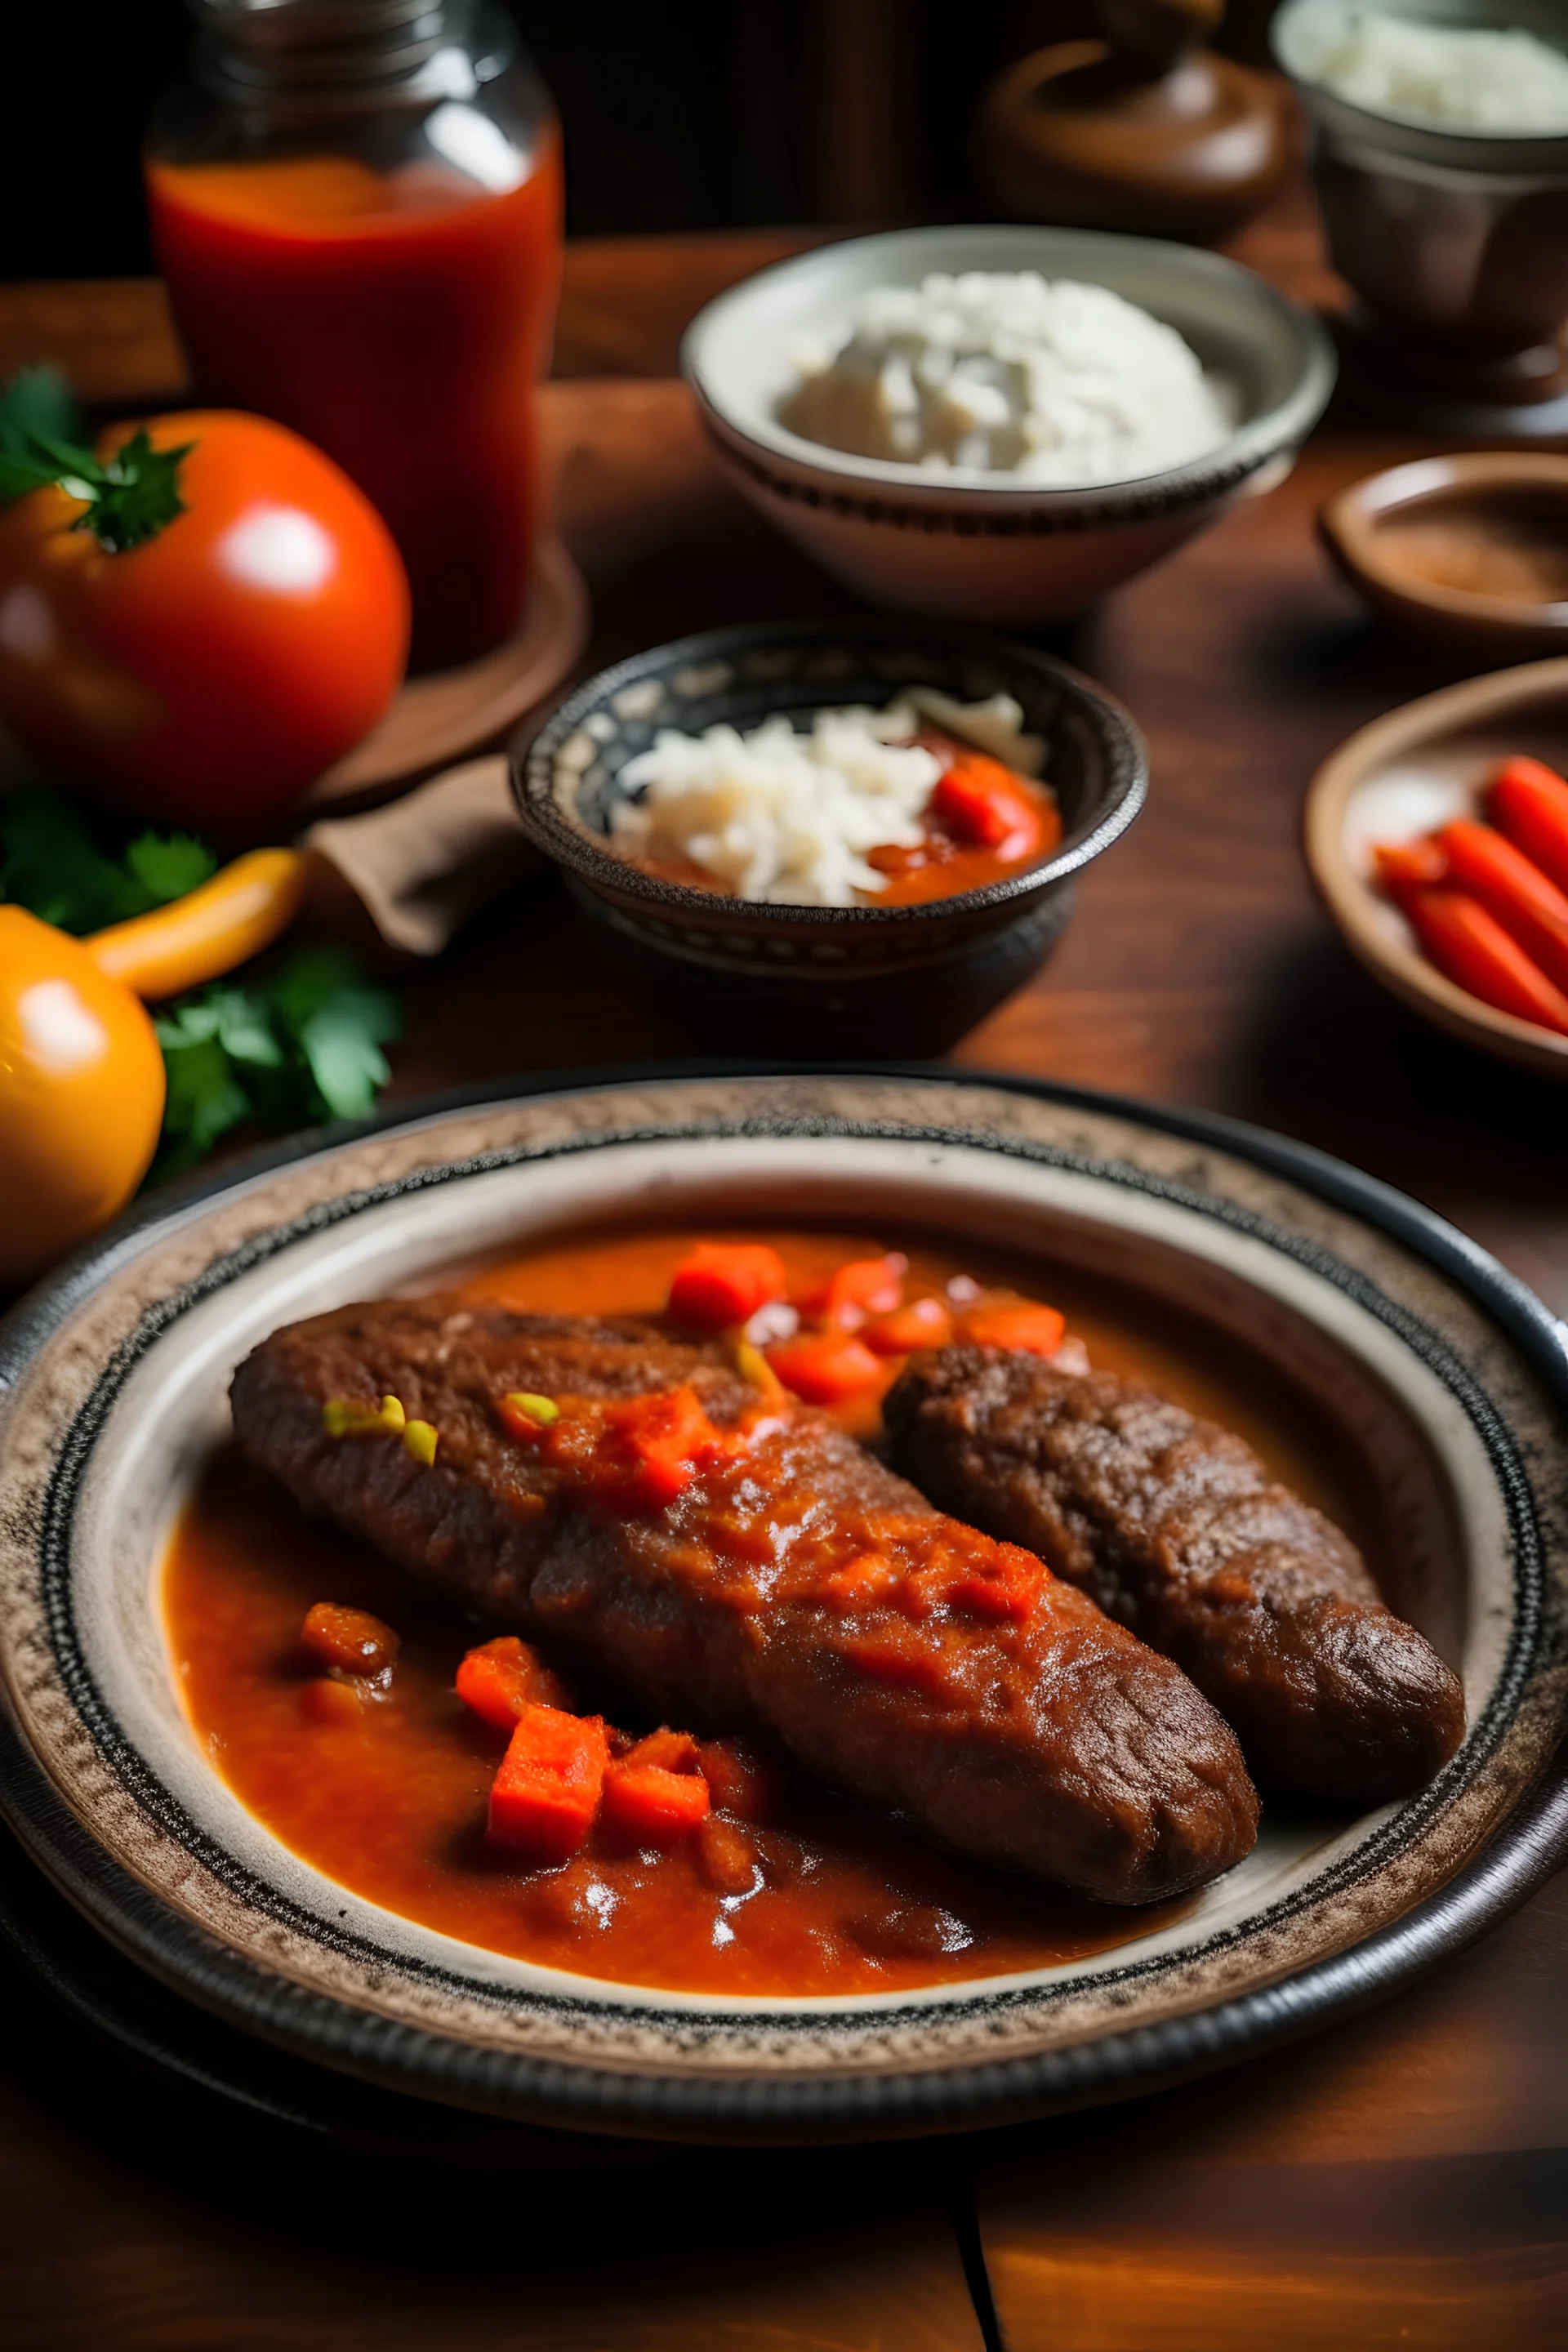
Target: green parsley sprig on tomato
pixel 198 614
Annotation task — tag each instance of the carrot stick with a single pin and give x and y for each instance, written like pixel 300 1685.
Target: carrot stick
pixel 1409 865
pixel 1529 802
pixel 1530 908
pixel 1471 946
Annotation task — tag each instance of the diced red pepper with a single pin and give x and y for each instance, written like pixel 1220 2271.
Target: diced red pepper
pixel 1531 908
pixel 547 1791
pixel 1034 1331
pixel 647 1800
pixel 980 799
pixel 825 1367
pixel 640 1454
pixel 720 1284
pixel 923 1323
pixel 1529 802
pixel 1006 1586
pixel 501 1678
pixel 349 1641
pixel 1471 946
pixel 861 1287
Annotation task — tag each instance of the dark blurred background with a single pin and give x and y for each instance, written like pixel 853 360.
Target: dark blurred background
pixel 684 114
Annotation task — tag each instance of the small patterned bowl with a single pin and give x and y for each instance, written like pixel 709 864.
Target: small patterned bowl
pixel 825 981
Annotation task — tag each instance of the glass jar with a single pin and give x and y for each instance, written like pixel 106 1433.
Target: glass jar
pixel 356 204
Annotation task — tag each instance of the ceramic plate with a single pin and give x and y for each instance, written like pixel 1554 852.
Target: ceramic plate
pixel 1446 1374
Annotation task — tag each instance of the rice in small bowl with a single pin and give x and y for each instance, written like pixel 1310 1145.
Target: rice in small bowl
pixel 780 976
pixel 1061 397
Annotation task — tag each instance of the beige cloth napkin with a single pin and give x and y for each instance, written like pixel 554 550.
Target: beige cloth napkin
pixel 424 863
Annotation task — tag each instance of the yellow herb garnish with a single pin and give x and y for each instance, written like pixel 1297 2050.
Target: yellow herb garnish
pixel 351 1417
pixel 540 1409
pixel 755 1367
pixel 420 1440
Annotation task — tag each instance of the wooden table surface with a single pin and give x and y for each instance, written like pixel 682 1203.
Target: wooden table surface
pixel 1402 2179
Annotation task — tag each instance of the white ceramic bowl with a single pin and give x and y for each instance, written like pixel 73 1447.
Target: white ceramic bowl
pixel 976 546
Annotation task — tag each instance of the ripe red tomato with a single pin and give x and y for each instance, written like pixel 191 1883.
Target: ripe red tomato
pixel 208 673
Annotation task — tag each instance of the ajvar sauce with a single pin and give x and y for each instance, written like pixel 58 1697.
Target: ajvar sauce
pixel 821 1895
pixel 401 321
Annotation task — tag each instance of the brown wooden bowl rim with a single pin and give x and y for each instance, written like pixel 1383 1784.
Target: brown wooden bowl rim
pixel 1349 522
pixel 1348 899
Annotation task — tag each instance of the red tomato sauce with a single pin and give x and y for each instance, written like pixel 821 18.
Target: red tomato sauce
pixel 401 321
pixel 825 1895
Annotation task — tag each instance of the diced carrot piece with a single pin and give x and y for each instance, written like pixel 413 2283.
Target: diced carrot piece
pixel 1529 802
pixel 1415 864
pixel 1034 1331
pixel 825 1367
pixel 548 1788
pixel 980 799
pixel 1531 908
pixel 923 1323
pixel 645 1799
pixel 1468 944
pixel 502 1678
pixel 677 1751
pixel 720 1284
pixel 349 1641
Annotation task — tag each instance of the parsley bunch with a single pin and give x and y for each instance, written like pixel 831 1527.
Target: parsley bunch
pixel 285 1048
pixel 294 1039
pixel 52 864
pixel 130 497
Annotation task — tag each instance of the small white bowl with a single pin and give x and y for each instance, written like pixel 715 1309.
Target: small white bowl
pixel 977 546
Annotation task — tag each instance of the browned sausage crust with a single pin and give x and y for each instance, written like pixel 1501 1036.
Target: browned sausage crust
pixel 1056 1744
pixel 1175 1526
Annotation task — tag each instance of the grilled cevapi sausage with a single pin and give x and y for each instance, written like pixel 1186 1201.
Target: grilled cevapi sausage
pixel 791 1585
pixel 1176 1528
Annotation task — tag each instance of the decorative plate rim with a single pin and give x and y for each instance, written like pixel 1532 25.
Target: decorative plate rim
pixel 867 2104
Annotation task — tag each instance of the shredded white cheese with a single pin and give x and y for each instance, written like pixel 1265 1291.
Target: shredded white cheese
pixel 788 818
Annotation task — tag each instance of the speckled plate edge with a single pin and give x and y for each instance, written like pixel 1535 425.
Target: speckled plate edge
pixel 1518 1835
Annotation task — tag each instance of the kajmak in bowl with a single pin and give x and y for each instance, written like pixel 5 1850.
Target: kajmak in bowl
pixel 824 980
pixel 987 546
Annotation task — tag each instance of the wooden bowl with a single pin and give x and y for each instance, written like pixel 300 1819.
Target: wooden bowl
pixel 1418 767
pixel 1469 552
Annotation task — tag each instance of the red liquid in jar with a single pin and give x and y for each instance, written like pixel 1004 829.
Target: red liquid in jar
pixel 399 320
